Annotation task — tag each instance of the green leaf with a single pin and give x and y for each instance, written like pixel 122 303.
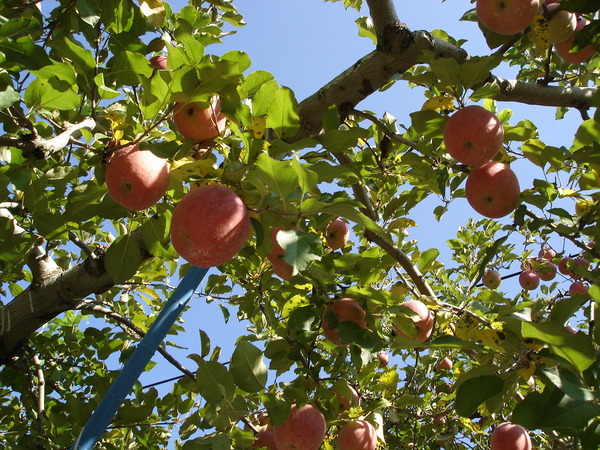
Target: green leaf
pixel 427 259
pixel 89 11
pixel 474 391
pixel 24 52
pixel 254 81
pixel 340 140
pixel 248 368
pixel 307 179
pixel 215 383
pixel 130 68
pixel 366 28
pixel 263 97
pixel 123 258
pixel 282 113
pixel 575 348
pixel 301 248
pixel 51 94
pixel 279 176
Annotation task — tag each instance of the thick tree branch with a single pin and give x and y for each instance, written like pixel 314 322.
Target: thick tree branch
pixel 383 13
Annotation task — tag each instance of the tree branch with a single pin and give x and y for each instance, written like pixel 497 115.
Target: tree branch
pixel 383 13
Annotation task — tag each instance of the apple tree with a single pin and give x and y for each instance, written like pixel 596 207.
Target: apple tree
pixel 330 191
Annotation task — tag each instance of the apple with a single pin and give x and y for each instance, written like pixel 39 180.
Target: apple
pixel 159 61
pixel 135 178
pixel 384 358
pixel 210 225
pixel 264 439
pixel 473 135
pixel 280 268
pixel 348 402
pixel 444 364
pixel 424 325
pixel 529 280
pixel 357 435
pixel 492 189
pixel 564 266
pixel 199 124
pixel 506 16
pixel 546 270
pixel 492 279
pixel 304 429
pixel 564 48
pixel 345 310
pixel 578 288
pixel 578 267
pixel 509 436
pixel 546 253
pixel 561 23
pixel 337 234
pixel 571 330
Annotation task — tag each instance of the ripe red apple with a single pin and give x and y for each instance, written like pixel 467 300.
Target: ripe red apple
pixel 197 123
pixel 210 225
pixel 579 267
pixel 492 189
pixel 264 439
pixel 384 358
pixel 358 435
pixel 280 267
pixel 424 326
pixel 529 280
pixel 546 253
pixel 492 279
pixel 578 288
pixel 561 24
pixel 564 48
pixel 506 16
pixel 348 402
pixel 337 234
pixel 345 310
pixel 473 135
pixel 444 364
pixel 509 436
pixel 304 429
pixel 159 61
pixel 564 266
pixel 546 270
pixel 135 178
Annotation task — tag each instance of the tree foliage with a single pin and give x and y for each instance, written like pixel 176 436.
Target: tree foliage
pixel 76 84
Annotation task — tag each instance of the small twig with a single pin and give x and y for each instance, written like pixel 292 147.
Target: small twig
pixel 41 385
pixel 389 133
pixel 82 245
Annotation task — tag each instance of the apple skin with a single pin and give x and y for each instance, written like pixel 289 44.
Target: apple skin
pixel 564 266
pixel 304 429
pixel 337 234
pixel 546 270
pixel 578 288
pixel 509 436
pixel 198 124
pixel 384 358
pixel 579 266
pixel 424 326
pixel 444 364
pixel 529 280
pixel 561 24
pixel 210 225
pixel 159 61
pixel 358 435
pixel 278 264
pixel 473 135
pixel 546 253
pixel 492 189
pixel 347 403
pixel 264 439
pixel 492 279
pixel 346 310
pixel 136 179
pixel 506 16
pixel 564 48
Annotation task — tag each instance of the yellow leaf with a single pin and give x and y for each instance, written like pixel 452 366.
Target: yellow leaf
pixel 154 10
pixel 567 193
pixel 402 222
pixel 258 127
pixel 541 35
pixel 438 104
pixel 583 207
pixel 188 167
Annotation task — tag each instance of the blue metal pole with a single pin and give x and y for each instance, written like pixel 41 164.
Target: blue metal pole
pixel 136 363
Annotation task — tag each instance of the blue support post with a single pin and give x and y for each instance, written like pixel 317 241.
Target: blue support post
pixel 135 365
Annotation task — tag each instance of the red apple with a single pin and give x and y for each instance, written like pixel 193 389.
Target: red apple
pixel 564 266
pixel 546 253
pixel 159 61
pixel 264 439
pixel 509 436
pixel 197 123
pixel 561 23
pixel 492 189
pixel 564 48
pixel 546 270
pixel 444 364
pixel 345 310
pixel 506 16
pixel 529 280
pixel 492 279
pixel 304 429
pixel 358 435
pixel 135 178
pixel 348 402
pixel 210 225
pixel 337 234
pixel 473 135
pixel 579 267
pixel 578 288
pixel 424 326
pixel 280 268
pixel 384 358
